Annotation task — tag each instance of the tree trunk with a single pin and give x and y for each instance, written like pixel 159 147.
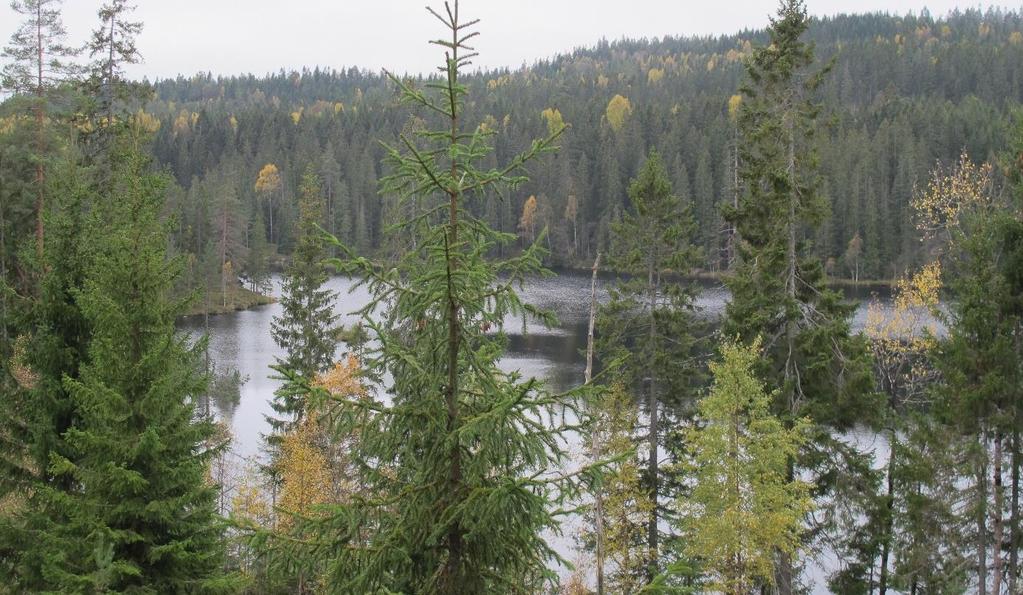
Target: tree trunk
pixel 652 407
pixel 886 542
pixel 40 123
pixel 981 519
pixel 598 496
pixel 453 564
pixel 733 233
pixel 784 572
pixel 996 537
pixel 1014 542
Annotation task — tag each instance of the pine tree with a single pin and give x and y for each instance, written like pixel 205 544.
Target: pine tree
pixel 307 328
pixel 777 286
pixel 649 319
pixel 38 65
pixel 462 459
pixel 111 48
pixel 744 507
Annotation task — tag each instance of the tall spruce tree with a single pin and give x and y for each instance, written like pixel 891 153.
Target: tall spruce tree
pixel 649 320
pixel 123 504
pixel 307 328
pixel 777 286
pixel 462 458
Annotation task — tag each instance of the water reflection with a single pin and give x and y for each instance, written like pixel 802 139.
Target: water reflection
pixel 241 341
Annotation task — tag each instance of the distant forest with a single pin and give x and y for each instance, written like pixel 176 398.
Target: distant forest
pixel 903 94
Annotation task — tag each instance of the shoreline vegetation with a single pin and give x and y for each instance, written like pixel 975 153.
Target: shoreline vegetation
pixel 241 298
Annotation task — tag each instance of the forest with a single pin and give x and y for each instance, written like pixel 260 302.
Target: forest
pixel 799 440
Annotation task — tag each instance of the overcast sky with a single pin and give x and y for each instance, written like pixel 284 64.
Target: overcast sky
pixel 258 36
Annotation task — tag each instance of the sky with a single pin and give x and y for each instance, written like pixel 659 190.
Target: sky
pixel 259 36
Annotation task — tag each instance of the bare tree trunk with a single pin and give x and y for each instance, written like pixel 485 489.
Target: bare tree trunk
pixel 996 537
pixel 598 496
pixel 981 518
pixel 730 253
pixel 886 542
pixel 652 407
pixel 40 144
pixel 1014 542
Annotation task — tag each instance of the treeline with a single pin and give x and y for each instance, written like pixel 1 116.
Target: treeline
pixel 904 93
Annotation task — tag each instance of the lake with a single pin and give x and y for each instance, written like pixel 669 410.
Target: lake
pixel 241 341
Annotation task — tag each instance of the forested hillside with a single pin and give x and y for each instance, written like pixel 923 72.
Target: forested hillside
pixel 903 93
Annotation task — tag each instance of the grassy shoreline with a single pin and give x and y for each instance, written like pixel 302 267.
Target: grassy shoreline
pixel 239 299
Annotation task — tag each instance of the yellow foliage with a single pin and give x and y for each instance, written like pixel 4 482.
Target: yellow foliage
pixel 305 472
pixel 268 180
pixel 946 30
pixel 654 75
pixel 489 124
pixel 571 207
pixel 528 220
pixel 145 122
pixel 900 337
pixel 712 63
pixel 1016 38
pixel 625 504
pixel 339 107
pixel 983 29
pixel 296 116
pixel 965 188
pixel 250 503
pixel 743 508
pixel 7 124
pixel 554 120
pixel 181 123
pixel 602 81
pixel 233 121
pixel 734 103
pixel 618 109
pixel 343 379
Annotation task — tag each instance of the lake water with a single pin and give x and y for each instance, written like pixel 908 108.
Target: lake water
pixel 241 341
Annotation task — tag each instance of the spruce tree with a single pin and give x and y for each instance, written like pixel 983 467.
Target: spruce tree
pixel 979 360
pixel 777 286
pixel 461 460
pixel 649 320
pixel 143 510
pixel 307 328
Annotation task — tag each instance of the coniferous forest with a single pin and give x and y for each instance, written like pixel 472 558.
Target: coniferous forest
pixel 800 438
